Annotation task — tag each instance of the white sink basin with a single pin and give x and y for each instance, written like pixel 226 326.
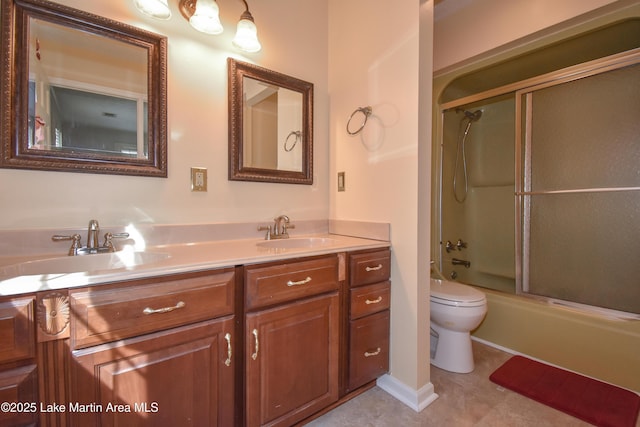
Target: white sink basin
pixel 297 242
pixel 81 264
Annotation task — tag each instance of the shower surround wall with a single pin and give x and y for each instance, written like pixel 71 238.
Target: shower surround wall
pixel 484 219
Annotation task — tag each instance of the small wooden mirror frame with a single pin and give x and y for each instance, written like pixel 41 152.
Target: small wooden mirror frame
pixel 237 170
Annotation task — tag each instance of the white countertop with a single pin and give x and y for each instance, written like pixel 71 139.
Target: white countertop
pixel 181 258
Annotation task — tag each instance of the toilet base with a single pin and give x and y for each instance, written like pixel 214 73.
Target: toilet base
pixel 453 352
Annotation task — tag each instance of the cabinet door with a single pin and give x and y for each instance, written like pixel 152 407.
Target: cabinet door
pixel 180 377
pixel 291 361
pixel 19 390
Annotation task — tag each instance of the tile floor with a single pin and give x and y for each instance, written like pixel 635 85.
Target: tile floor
pixel 464 400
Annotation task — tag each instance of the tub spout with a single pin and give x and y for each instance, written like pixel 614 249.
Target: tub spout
pixel 456 261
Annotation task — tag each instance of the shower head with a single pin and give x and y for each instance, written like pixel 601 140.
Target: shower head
pixel 475 116
pixel 472 116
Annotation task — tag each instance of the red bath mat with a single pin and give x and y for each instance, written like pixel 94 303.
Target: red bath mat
pixel 590 400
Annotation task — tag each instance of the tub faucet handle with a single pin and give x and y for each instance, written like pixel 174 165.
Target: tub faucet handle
pixel 460 244
pixel 449 246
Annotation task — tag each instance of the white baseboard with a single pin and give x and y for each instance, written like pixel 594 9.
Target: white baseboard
pixel 414 399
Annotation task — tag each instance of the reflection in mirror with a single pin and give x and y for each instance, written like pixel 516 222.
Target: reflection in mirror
pixel 271 124
pixel 272 118
pixel 80 104
pixel 90 93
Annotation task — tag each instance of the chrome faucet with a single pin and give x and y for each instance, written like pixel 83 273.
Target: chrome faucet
pixel 92 234
pixel 280 227
pixel 93 245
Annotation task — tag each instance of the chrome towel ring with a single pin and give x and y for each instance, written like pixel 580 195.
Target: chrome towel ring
pixel 366 112
pixel 298 136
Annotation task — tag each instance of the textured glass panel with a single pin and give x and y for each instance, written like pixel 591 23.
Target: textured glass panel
pixel 586 133
pixel 586 247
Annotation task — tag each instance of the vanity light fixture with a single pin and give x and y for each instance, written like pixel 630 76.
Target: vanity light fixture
pixel 203 15
pixel 247 33
pixel 158 9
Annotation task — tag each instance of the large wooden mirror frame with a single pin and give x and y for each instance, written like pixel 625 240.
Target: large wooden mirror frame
pixel 66 74
pixel 270 126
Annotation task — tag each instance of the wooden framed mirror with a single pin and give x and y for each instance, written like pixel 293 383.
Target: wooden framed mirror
pixel 81 93
pixel 270 125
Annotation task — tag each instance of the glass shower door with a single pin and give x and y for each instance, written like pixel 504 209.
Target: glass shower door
pixel 581 190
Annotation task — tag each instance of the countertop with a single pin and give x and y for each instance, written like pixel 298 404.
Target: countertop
pixel 179 258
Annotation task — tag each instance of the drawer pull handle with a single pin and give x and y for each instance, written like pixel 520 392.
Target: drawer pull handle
pixel 254 356
pixel 229 353
pixel 150 310
pixel 301 282
pixel 376 268
pixel 373 353
pixel 373 301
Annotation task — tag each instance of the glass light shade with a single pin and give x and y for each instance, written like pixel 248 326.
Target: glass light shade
pixel 246 38
pixel 206 18
pixel 157 8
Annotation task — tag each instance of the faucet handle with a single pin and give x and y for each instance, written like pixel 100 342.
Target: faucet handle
pixel 75 244
pixel 108 240
pixel 268 230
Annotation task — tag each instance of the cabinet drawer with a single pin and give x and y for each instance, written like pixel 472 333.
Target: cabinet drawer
pixel 103 315
pixel 369 350
pixel 370 267
pixel 267 285
pixel 17 330
pixel 370 299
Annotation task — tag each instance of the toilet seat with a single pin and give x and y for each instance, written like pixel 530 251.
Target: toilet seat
pixel 456 294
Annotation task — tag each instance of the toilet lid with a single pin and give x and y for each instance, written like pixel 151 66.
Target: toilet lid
pixel 453 293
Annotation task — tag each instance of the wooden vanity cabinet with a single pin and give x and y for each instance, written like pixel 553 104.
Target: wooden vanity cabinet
pixel 369 317
pixel 18 371
pixel 292 331
pixel 155 352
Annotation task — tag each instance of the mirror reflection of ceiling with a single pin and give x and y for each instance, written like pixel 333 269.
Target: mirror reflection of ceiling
pixel 95 110
pixel 84 57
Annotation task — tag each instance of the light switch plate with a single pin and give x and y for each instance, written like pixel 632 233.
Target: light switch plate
pixel 198 179
pixel 341 186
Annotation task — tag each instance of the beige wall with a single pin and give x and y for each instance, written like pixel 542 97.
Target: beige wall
pixel 294 38
pixel 467 28
pixel 375 55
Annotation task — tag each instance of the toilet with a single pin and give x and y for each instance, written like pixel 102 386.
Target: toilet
pixel 456 310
